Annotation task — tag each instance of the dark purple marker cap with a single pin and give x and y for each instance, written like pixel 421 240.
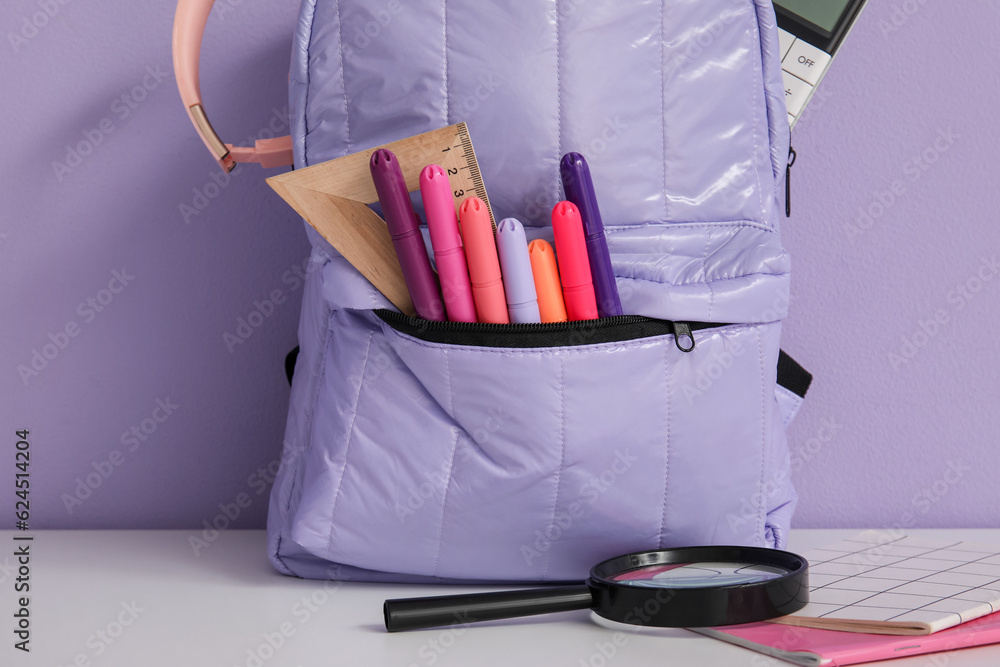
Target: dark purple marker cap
pixel 404 228
pixel 580 190
pixel 392 194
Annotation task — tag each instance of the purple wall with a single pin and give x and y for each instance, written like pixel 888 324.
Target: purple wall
pixel 896 292
pixel 901 422
pixel 189 280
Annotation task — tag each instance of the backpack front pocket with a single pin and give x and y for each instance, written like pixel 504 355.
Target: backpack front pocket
pixel 462 452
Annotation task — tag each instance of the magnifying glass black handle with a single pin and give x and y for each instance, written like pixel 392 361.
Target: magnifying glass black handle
pixel 431 612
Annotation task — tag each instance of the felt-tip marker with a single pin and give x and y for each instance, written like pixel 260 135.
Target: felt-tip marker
pixel 551 306
pixel 574 267
pixel 484 266
pixel 518 283
pixel 404 228
pixel 579 189
pixel 435 190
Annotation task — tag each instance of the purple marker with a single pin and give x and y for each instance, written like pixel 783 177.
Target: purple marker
pixel 404 228
pixel 515 265
pixel 580 190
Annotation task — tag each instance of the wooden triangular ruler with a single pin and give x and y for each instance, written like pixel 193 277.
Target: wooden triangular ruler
pixel 333 197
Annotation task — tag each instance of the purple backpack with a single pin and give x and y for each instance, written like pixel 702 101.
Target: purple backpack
pixel 444 452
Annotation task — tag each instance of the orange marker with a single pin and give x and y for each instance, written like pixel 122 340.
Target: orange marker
pixel 547 285
pixel 484 265
pixel 574 265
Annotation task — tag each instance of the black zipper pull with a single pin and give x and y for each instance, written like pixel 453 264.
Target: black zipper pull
pixel 683 330
pixel 788 181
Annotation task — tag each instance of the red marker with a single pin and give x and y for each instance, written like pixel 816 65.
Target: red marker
pixel 574 265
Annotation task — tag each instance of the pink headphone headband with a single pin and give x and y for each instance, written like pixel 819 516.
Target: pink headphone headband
pixel 189 28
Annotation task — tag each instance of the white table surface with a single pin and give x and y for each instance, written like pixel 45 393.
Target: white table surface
pixel 216 609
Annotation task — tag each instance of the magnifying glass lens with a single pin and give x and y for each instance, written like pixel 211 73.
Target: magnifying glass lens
pixel 698 575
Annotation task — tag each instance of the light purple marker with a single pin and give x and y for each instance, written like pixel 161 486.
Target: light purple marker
pixel 515 265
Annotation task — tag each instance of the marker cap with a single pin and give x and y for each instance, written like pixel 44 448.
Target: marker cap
pixel 484 265
pixel 404 228
pixel 574 265
pixel 439 205
pixel 442 222
pixel 551 306
pixel 519 286
pixel 393 195
pixel 579 189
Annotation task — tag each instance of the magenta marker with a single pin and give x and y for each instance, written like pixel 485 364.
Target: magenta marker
pixel 515 265
pixel 580 190
pixel 404 228
pixel 435 189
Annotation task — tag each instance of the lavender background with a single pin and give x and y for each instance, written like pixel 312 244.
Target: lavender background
pixel 894 240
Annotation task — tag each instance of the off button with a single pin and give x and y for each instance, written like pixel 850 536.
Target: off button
pixel 805 61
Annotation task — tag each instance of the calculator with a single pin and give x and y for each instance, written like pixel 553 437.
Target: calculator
pixel 810 34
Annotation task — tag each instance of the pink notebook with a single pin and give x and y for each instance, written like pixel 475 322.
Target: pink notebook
pixel 812 647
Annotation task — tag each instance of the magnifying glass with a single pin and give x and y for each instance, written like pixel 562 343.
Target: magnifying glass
pixel 669 588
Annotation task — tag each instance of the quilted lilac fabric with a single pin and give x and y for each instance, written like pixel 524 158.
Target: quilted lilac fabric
pixel 412 460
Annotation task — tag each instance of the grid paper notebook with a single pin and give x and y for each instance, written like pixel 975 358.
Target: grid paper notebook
pixel 886 583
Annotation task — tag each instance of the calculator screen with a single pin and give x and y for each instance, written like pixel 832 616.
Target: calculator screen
pixel 821 13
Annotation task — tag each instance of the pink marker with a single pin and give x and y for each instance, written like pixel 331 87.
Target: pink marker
pixel 574 266
pixel 449 255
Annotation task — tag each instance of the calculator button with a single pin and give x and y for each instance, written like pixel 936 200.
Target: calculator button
pixel 796 93
pixel 785 40
pixel 805 61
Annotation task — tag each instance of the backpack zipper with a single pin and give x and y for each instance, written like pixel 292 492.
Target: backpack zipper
pixel 788 181
pixel 549 334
